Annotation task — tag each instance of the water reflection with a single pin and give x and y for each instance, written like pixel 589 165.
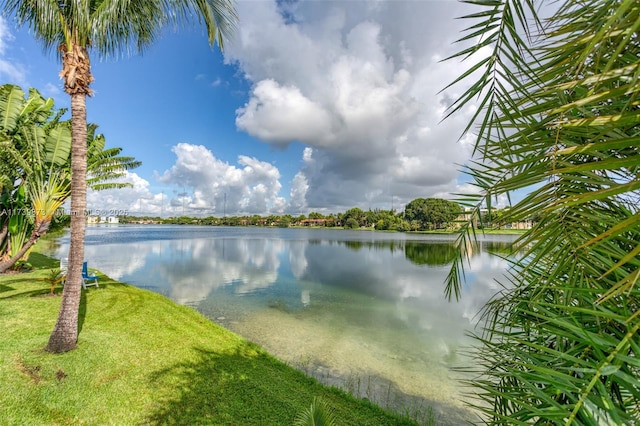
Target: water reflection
pixel 432 254
pixel 345 304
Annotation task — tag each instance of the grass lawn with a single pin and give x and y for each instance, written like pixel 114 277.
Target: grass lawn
pixel 142 359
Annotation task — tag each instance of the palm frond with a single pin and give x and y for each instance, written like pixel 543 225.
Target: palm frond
pixel 319 413
pixel 561 341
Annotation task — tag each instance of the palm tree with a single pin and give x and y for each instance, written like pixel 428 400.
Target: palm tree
pixel 319 413
pixel 559 120
pixel 107 27
pixel 105 166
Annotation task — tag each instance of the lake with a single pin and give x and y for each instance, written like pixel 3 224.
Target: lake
pixel 360 310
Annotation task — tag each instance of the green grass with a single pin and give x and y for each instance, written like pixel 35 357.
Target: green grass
pixel 142 359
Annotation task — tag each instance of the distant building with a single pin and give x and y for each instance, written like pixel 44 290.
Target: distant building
pixel 466 216
pixel 102 219
pixel 312 222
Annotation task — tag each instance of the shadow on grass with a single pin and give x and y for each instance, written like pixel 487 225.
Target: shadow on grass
pixel 40 261
pixel 248 387
pixel 17 288
pixel 16 285
pixel 12 280
pixel 4 288
pixel 221 388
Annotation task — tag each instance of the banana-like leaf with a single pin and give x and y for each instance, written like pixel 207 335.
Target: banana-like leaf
pixel 11 104
pixel 57 146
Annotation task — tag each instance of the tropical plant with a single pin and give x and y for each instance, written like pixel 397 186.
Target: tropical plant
pixel 35 142
pixel 319 413
pixel 354 218
pixel 351 223
pixel 46 194
pixel 559 123
pixel 38 181
pixel 107 27
pixel 54 278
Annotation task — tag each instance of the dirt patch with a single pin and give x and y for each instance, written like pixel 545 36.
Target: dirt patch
pixel 60 375
pixel 48 295
pixel 31 371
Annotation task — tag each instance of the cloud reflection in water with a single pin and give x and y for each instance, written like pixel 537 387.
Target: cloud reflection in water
pixel 365 302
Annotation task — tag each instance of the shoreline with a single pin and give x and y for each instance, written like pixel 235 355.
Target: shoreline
pixel 331 228
pixel 136 348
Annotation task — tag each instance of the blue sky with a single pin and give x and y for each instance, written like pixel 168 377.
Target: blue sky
pixel 314 106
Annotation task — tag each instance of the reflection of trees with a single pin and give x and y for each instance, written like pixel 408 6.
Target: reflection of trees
pixel 498 247
pixel 354 245
pixel 379 245
pixel 441 254
pixel 429 254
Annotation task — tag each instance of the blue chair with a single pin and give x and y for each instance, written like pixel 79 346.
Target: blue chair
pixel 88 280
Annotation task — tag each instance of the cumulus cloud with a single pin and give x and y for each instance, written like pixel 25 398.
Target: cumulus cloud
pixel 282 114
pixel 359 84
pixel 297 196
pixel 203 185
pixel 138 199
pixel 218 187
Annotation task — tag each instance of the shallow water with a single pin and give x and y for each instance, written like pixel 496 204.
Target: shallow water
pixel 361 310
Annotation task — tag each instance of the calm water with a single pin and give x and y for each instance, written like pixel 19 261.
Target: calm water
pixel 360 310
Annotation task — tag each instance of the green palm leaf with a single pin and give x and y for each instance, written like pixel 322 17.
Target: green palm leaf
pixel 559 121
pixel 318 414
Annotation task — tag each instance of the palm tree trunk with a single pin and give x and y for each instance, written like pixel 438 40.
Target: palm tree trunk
pixel 37 232
pixel 65 333
pixel 4 235
pixel 5 231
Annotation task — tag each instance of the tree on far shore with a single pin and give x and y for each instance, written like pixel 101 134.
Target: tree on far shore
pixel 432 213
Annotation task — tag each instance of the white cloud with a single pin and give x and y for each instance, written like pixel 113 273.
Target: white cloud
pixel 282 114
pixel 52 90
pixel 5 35
pixel 297 196
pixel 10 70
pixel 359 83
pixel 135 200
pixel 205 186
pixel 217 187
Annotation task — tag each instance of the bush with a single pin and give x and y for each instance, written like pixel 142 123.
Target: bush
pixel 351 223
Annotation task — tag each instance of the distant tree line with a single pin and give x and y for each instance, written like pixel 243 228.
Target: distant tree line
pixel 418 215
